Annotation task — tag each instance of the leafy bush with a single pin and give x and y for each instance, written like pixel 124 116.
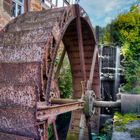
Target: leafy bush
pixel 126 31
pixel 65 79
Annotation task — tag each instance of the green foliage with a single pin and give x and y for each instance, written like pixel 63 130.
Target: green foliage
pixel 121 120
pixel 65 79
pixel 65 76
pixel 122 123
pixel 104 37
pixel 126 31
pixel 106 34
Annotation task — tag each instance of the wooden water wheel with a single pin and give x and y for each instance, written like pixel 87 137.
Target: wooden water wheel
pixel 28 48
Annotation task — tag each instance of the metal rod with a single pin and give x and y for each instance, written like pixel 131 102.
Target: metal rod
pixel 55 131
pixel 106 103
pixel 60 63
pixel 44 112
pixel 95 103
pixel 93 63
pixel 90 81
pixel 46 130
pixel 62 101
pixel 80 42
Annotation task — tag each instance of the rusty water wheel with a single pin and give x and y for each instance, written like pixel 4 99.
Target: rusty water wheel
pixel 78 128
pixel 28 48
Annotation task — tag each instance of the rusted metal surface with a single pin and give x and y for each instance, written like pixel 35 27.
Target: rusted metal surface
pixel 17 109
pixel 63 101
pixel 46 131
pixel 17 96
pixel 19 53
pixel 55 131
pixel 19 121
pixel 90 81
pixel 4 136
pixel 20 73
pixel 28 48
pixel 80 42
pixel 70 42
pixel 44 112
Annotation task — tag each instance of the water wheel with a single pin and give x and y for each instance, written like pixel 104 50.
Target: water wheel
pixel 28 48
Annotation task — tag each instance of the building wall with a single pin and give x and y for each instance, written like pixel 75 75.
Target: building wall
pixel 29 5
pixel 4 15
pixel 6 7
pixel 35 5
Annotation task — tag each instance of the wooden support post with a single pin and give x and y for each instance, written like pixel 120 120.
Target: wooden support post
pixel 80 42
